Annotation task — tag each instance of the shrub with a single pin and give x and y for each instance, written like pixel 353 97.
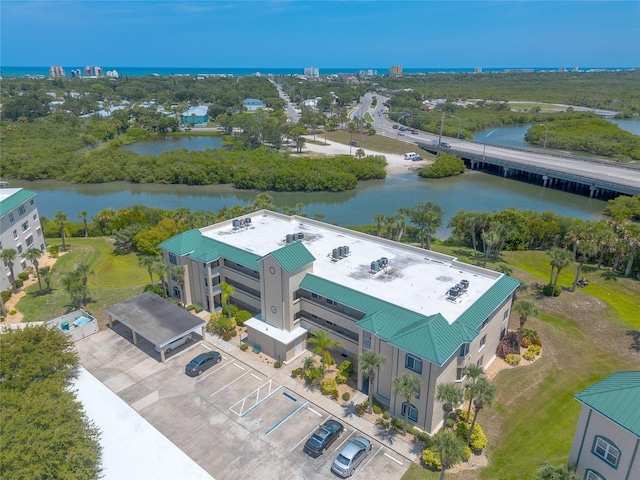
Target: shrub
pixel 512 359
pixel 53 250
pixel 508 345
pixel 242 316
pixel 340 379
pixel 233 332
pixel 297 372
pixel 467 453
pixel 346 396
pixel 538 342
pixel 328 386
pixel 244 347
pixel 226 336
pixel 528 355
pixel 190 307
pixel 346 368
pixel 525 342
pixel 360 409
pixel 431 459
pixel 312 375
pixel 462 416
pixel 550 292
pixel 410 429
pixel 6 295
pixel 529 334
pixel 478 438
pixel 381 421
pixel 277 364
pixel 398 423
pixel 19 283
pixel 450 422
pixel 155 288
pixel 535 349
pixel 423 437
pixel 24 276
pixel 12 312
pixel 335 394
pixel 386 415
pixel 377 409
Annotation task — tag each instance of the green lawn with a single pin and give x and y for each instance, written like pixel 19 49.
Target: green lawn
pixel 377 143
pixel 114 278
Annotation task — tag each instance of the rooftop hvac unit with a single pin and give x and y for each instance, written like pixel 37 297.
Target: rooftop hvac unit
pixel 289 238
pixel 375 266
pixel 335 255
pixel 346 250
pixel 384 261
pixel 247 221
pixel 236 224
pixel 300 235
pixel 464 283
pixel 454 291
pixel 341 251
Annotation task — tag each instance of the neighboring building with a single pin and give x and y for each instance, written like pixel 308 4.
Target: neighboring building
pixel 198 115
pixel 477 70
pixel 395 70
pixel 368 73
pixel 423 311
pixel 93 71
pixel 20 229
pixel 113 74
pixel 56 72
pixel 252 104
pixel 606 445
pixel 312 71
pixel 76 73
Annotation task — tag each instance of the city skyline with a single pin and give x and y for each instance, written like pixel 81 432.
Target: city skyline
pixel 331 34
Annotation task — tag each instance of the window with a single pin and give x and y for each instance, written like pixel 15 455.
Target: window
pixel 39 231
pixel 314 295
pixel 331 302
pixel 35 217
pixel 11 217
pixel 591 475
pixel 480 361
pixel 25 226
pixel 506 315
pixel 464 350
pixel 15 234
pixel 413 412
pixel 21 210
pixel 19 248
pixel 176 292
pixel 172 259
pixel 413 363
pixel 460 374
pixel 347 309
pixel 484 324
pixel 606 451
pixel 483 342
pixel 29 240
pixel 31 202
pixel 416 393
pixel 23 264
pixel 42 247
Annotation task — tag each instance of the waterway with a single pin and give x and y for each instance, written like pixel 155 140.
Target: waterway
pixel 170 142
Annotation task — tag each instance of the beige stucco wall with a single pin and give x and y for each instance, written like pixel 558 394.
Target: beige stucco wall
pixel 592 424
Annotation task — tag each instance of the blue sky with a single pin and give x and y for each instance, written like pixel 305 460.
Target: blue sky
pixel 295 34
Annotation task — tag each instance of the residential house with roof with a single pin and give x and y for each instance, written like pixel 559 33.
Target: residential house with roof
pixel 252 104
pixel 20 229
pixel 606 445
pixel 425 312
pixel 197 115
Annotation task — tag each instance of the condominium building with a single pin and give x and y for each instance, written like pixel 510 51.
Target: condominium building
pixel 424 312
pixel 395 70
pixel 56 72
pixel 20 229
pixel 93 71
pixel 312 71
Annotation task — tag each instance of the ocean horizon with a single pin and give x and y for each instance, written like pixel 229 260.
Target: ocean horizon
pixel 43 71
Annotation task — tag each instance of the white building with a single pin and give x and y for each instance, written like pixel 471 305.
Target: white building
pixel 425 312
pixel 20 229
pixel 312 72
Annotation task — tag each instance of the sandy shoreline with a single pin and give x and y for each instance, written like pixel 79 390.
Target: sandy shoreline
pixel 396 164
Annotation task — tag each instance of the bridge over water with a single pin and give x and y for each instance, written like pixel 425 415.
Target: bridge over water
pixel 596 178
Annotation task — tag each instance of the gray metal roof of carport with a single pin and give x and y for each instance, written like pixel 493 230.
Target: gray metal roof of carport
pixel 154 318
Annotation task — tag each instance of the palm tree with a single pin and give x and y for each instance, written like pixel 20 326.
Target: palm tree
pixel 484 395
pixel 323 343
pixel 406 385
pixel 83 215
pixel 525 308
pixel 178 272
pixel 473 373
pixel 60 219
pixel 160 268
pixel 8 255
pixel 450 396
pixel 586 249
pixel 148 261
pixel 47 274
pixel 560 258
pixel 83 273
pixel 378 218
pixel 549 472
pixel 227 292
pixel 33 254
pixel 3 309
pixel 450 449
pixel 370 362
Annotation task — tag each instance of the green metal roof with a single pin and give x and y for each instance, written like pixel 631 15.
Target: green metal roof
pixel 205 249
pixel 432 338
pixel 617 397
pixel 293 256
pixel 15 200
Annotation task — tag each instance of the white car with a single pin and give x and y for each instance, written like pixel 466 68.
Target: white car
pixel 175 344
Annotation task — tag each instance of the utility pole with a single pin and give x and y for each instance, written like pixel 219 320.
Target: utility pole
pixel 440 137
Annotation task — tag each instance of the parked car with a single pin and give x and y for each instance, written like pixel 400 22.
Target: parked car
pixel 351 456
pixel 414 132
pixel 445 145
pixel 201 363
pixel 401 134
pixel 175 344
pixel 322 438
pixel 353 144
pixel 395 126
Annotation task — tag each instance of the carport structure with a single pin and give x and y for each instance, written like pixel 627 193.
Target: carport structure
pixel 156 319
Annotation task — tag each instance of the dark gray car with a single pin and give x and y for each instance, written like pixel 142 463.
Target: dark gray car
pixel 202 362
pixel 323 437
pixel 351 456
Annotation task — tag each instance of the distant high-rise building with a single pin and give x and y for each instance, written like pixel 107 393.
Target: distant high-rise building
pixel 368 73
pixel 76 73
pixel 312 71
pixel 113 74
pixel 56 71
pixel 395 70
pixel 93 71
pixel 477 70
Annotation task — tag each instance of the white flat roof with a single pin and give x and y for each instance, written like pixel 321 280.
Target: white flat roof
pixel 131 446
pixel 416 279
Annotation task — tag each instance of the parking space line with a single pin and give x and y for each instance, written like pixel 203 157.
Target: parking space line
pixel 230 383
pixel 395 460
pixel 238 366
pixel 212 372
pixel 255 376
pixel 208 348
pixel 257 402
pixel 286 418
pixel 372 457
pixel 313 411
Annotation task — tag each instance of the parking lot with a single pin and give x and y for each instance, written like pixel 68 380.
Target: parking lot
pixel 233 420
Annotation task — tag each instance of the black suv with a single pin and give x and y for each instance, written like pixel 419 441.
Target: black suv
pixel 323 438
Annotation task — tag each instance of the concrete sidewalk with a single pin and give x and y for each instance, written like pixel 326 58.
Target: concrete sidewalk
pixel 409 450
